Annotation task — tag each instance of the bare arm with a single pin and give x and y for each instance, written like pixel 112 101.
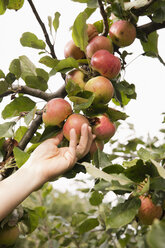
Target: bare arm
pixel 46 163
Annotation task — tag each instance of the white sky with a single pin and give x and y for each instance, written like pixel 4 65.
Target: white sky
pixel 147 74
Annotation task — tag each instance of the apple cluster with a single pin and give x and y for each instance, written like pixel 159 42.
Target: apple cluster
pixel 106 66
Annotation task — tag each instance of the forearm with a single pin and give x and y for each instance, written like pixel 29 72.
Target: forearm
pixel 15 188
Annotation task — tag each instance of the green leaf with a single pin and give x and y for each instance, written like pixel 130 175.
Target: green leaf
pixel 15 4
pixel 15 68
pixel 20 133
pixel 88 225
pixel 20 156
pixel 56 21
pixel 159 14
pixel 3 86
pixel 97 173
pixel 30 40
pixel 30 116
pixel 48 61
pixel 2 75
pixel 18 105
pixel 32 220
pixel 160 169
pixel 152 43
pixel 67 63
pixel 144 154
pixel 116 115
pixel 123 213
pixel 83 100
pixel 49 132
pixel 3 6
pixel 27 67
pixel 96 198
pixel 10 78
pixel 79 29
pixel 155 236
pixel 6 129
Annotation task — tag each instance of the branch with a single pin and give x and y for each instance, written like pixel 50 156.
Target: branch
pixel 37 121
pixel 43 29
pixel 34 92
pixel 150 27
pixel 105 19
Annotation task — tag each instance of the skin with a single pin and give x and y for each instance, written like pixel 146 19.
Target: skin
pixel 46 163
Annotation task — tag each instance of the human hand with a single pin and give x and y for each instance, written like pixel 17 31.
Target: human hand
pixel 50 161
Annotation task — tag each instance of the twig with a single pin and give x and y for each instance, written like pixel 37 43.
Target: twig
pixel 105 19
pixel 43 29
pixel 34 92
pixel 150 27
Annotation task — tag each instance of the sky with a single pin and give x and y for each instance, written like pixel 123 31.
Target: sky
pixel 148 74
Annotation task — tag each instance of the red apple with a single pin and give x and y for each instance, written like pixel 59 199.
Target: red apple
pixel 122 33
pixel 106 63
pixel 148 211
pixel 77 76
pixel 8 236
pixel 103 128
pixel 96 144
pixel 101 87
pixel 91 31
pixel 71 50
pixel 74 121
pixel 56 111
pixel 97 43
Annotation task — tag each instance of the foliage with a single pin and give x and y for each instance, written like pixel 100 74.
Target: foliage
pixel 51 219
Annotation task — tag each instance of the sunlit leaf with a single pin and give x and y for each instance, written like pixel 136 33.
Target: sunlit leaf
pixel 56 21
pixel 15 68
pixel 30 40
pixel 15 4
pixel 88 225
pixel 20 156
pixel 6 129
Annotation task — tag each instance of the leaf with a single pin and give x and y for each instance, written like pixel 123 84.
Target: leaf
pixel 2 75
pixel 67 63
pixel 30 116
pixel 97 173
pixel 152 43
pixel 155 235
pixel 30 40
pixel 20 133
pixel 49 132
pixel 15 68
pixel 56 21
pixel 6 129
pixel 88 225
pixel 160 169
pixel 48 61
pixel 85 101
pixel 27 67
pixel 123 213
pixel 15 4
pixel 3 86
pixel 96 198
pixel 144 154
pixel 18 105
pixel 159 14
pixel 20 156
pixel 79 29
pixel 3 6
pixel 116 115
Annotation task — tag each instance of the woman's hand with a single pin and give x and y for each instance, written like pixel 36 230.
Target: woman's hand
pixel 51 161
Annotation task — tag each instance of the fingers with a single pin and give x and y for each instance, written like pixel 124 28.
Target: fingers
pixel 85 141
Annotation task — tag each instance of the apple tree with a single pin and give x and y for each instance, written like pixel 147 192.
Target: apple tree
pixel 94 91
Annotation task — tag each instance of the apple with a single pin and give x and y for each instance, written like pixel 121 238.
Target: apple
pixel 71 50
pixel 97 43
pixel 74 121
pixel 91 31
pixel 101 87
pixel 77 76
pixel 96 144
pixel 8 236
pixel 56 111
pixel 103 128
pixel 122 33
pixel 148 211
pixel 106 63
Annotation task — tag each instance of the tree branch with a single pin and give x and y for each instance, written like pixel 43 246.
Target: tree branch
pixel 150 27
pixel 34 92
pixel 105 19
pixel 37 121
pixel 43 29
